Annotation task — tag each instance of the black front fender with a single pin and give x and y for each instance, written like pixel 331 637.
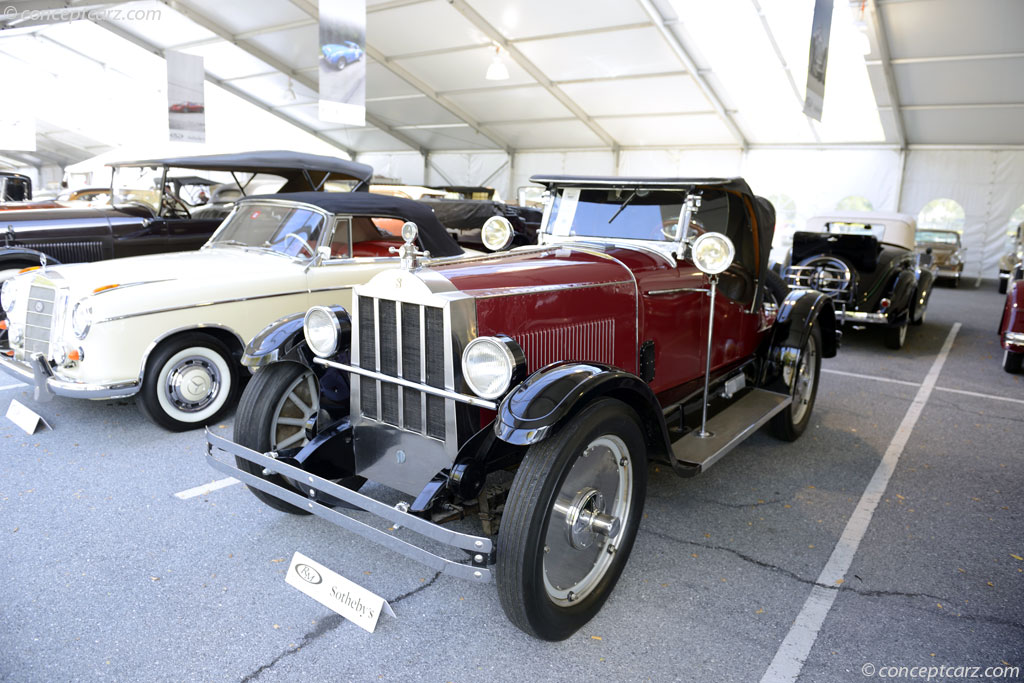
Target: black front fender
pixel 551 396
pixel 283 340
pixel 799 313
pixel 18 257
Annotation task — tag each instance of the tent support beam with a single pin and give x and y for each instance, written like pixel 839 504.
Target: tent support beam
pixel 877 27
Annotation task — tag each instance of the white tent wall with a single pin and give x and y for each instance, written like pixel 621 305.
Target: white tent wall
pixel 681 163
pixel 560 163
pixel 406 167
pixel 988 184
pixel 475 168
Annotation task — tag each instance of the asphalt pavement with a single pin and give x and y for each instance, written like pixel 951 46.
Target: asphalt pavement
pixel 109 576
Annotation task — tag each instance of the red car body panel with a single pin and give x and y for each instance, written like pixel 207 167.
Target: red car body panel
pixel 1013 315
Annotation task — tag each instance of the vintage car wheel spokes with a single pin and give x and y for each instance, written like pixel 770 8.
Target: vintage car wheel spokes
pixel 587 518
pixel 803 379
pixel 192 384
pixel 300 401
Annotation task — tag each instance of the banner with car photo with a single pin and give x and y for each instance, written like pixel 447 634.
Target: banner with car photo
pixel 343 61
pixel 186 109
pixel 817 59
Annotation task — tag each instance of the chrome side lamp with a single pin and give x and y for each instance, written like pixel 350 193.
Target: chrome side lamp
pixel 712 253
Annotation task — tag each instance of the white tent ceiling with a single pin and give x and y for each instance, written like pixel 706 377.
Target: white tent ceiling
pixel 584 74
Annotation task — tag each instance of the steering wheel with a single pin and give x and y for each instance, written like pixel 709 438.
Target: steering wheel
pixel 175 206
pixel 670 229
pixel 305 245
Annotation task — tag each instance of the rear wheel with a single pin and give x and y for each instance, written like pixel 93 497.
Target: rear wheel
pixel 272 416
pixel 896 337
pixel 1012 361
pixel 802 379
pixel 570 521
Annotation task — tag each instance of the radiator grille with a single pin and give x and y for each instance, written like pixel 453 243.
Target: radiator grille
pixel 39 320
pixel 589 341
pixel 77 251
pixel 408 341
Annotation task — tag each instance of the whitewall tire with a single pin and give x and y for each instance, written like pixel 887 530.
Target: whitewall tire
pixel 189 382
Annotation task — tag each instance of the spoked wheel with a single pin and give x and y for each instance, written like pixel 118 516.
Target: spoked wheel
pixel 272 416
pixel 189 382
pixel 896 337
pixel 802 379
pixel 570 521
pixel 1012 362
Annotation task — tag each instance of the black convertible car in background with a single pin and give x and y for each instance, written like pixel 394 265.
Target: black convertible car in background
pixel 159 206
pixel 866 262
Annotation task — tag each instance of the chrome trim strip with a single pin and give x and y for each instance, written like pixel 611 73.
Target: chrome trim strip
pixel 200 305
pixel 656 292
pixel 539 289
pixel 1014 337
pixel 425 388
pixel 127 284
pixel 476 544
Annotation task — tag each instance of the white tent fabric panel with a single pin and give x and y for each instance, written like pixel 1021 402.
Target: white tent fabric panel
pixel 989 185
pixel 519 20
pixel 406 167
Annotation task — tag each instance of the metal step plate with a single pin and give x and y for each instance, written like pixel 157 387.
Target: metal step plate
pixel 729 428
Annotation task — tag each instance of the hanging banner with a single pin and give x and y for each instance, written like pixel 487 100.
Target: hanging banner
pixel 343 61
pixel 186 108
pixel 817 60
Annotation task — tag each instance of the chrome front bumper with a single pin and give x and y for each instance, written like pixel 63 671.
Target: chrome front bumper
pixel 480 549
pixel 1013 341
pixel 38 373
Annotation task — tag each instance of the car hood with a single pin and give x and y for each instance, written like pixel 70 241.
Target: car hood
pixel 143 282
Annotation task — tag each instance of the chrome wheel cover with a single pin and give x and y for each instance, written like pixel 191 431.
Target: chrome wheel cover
pixel 587 520
pixel 803 381
pixel 192 384
pixel 299 402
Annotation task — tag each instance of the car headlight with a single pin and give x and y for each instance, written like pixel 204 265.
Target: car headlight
pixel 490 363
pixel 81 319
pixel 713 253
pixel 14 334
pixel 8 295
pixel 322 331
pixel 497 233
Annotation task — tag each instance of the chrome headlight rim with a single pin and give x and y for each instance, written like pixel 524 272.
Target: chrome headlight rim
pixel 8 295
pixel 497 233
pixel 79 327
pixel 330 349
pixel 510 353
pixel 713 267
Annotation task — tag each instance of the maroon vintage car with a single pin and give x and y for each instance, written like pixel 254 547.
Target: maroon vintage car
pixel 645 325
pixel 1011 327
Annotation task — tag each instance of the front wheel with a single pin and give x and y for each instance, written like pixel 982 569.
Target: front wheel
pixel 1012 361
pixel 190 381
pixel 802 380
pixel 896 337
pixel 272 416
pixel 570 521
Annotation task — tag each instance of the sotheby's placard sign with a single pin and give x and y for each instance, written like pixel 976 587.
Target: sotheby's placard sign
pixel 334 591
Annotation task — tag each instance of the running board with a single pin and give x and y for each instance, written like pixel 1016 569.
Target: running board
pixel 693 454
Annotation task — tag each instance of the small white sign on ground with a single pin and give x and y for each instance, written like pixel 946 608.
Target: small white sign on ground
pixel 334 591
pixel 21 415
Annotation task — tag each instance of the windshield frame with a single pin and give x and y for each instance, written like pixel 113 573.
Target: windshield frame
pixel 328 229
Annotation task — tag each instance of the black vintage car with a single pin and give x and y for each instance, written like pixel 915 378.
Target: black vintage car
pixel 467 221
pixel 158 206
pixel 866 262
pixel 15 187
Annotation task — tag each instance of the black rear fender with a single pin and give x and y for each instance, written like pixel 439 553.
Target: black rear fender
pixel 552 396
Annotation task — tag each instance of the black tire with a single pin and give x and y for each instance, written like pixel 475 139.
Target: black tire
pixel 896 336
pixel 257 423
pixel 171 370
pixel 791 422
pixel 775 287
pixel 1003 281
pixel 1012 362
pixel 608 431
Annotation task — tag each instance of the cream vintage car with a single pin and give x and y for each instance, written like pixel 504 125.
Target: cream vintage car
pixel 171 328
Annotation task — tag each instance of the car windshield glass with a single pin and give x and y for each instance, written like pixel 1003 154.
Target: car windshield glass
pixel 288 230
pixel 857 229
pixel 937 236
pixel 640 214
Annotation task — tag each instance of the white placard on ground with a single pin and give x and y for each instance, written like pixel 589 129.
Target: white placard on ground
pixel 334 591
pixel 21 415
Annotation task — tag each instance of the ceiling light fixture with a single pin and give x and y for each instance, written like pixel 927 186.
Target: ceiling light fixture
pixel 497 71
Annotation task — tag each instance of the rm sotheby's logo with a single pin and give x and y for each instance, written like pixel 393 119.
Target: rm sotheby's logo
pixel 307 573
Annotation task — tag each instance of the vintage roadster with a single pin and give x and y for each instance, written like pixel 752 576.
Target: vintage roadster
pixel 1009 260
pixel 1011 327
pixel 644 326
pixel 171 327
pixel 946 252
pixel 866 262
pixel 150 212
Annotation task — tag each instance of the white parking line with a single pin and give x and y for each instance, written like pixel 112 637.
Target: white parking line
pixel 205 488
pixel 12 386
pixel 874 377
pixel 976 394
pixel 789 660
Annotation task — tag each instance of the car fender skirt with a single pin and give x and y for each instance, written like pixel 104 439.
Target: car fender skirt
pixel 550 397
pixel 799 313
pixel 283 340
